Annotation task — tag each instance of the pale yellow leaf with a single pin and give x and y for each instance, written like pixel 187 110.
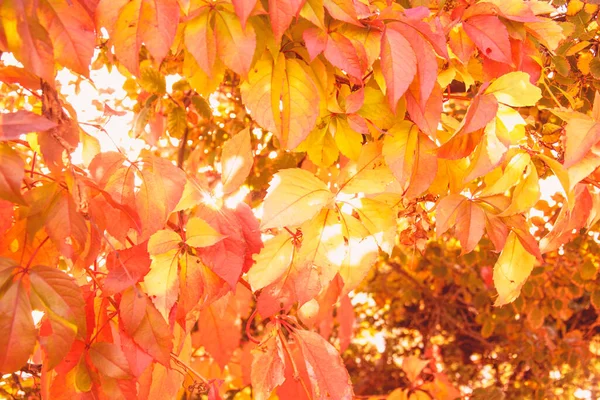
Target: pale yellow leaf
pixel 162 282
pixel 526 193
pixel 323 244
pixel 294 196
pixel 272 261
pixel 200 234
pixel 514 89
pixel 510 177
pixel 512 270
pixel 368 175
pixel 236 161
pixel 362 253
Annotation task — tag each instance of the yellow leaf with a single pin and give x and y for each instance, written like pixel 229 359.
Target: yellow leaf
pixel 200 234
pixel 367 175
pixel 163 241
pixel 323 244
pixel 236 161
pixel 512 173
pixel 512 270
pixel 282 98
pixel 294 196
pixel 514 89
pixel 162 282
pixel 547 31
pixel 362 252
pixel 412 367
pixel 347 140
pixel 379 219
pixel 272 261
pixel 583 62
pixel 526 193
pixel 320 146
pixel 563 177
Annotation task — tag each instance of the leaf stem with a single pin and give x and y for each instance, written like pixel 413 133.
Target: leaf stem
pixel 182 364
pixel 250 337
pixel 294 366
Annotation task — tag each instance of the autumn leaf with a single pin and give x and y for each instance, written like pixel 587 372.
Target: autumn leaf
pixel 110 360
pixel 273 260
pixel 268 365
pixel 14 124
pixel 71 31
pixel 220 334
pixel 283 98
pixel 490 36
pixel 398 64
pixel 512 270
pixel 140 320
pixel 294 196
pixel 236 161
pixel 61 299
pixel 149 22
pixel 126 268
pixel 29 41
pixel 325 368
pixel 17 332
pixel 11 175
pixel 201 234
pixel 514 89
pixel 161 189
pixel 235 45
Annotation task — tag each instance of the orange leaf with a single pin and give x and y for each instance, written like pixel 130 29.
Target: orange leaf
pixel 145 325
pixel 398 64
pixel 325 367
pixel 151 22
pixel 17 332
pixel 71 30
pixel 11 175
pixel 14 124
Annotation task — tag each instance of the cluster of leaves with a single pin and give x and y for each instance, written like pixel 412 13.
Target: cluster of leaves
pixel 385 140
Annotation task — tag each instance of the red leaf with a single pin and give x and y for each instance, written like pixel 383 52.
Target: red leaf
pixel 398 65
pixel 160 191
pixel 243 9
pixel 282 12
pixel 14 124
pixel 138 359
pixel 427 117
pixel 426 60
pixel 110 360
pixel 325 368
pixel 227 257
pixel 341 53
pixel 250 231
pixel 315 40
pixel 145 325
pixel 490 36
pixel 469 133
pixel 126 268
pixel 11 74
